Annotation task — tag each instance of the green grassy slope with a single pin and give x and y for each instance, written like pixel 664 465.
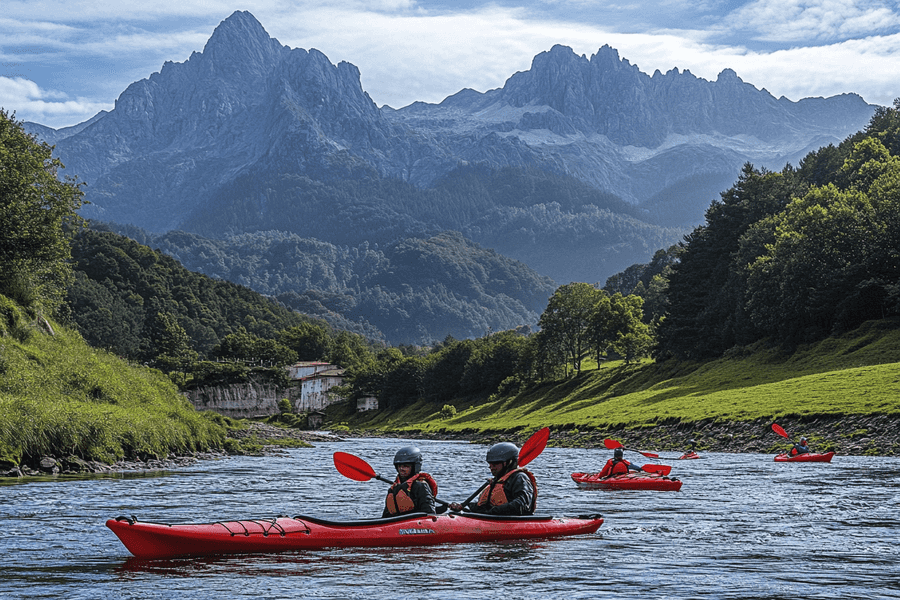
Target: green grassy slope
pixel 856 374
pixel 60 397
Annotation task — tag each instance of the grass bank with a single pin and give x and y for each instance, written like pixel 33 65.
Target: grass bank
pixel 854 375
pixel 60 397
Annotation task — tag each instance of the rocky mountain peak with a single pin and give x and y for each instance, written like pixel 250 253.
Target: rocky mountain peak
pixel 240 47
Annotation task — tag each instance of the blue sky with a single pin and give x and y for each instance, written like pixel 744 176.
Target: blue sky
pixel 63 61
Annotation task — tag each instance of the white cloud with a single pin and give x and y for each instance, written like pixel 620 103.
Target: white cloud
pixel 47 107
pixel 428 57
pixel 814 20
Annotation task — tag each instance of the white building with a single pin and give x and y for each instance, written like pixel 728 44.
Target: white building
pixel 304 369
pixel 314 389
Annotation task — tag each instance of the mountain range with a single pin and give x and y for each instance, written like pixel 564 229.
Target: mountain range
pixel 578 167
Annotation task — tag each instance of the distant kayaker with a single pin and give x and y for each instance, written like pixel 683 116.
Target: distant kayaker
pixel 617 465
pixel 689 453
pixel 511 491
pixel 414 490
pixel 801 447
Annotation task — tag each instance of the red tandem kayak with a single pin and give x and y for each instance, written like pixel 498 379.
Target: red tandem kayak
pixel 689 455
pixel 631 481
pixel 157 540
pixel 808 457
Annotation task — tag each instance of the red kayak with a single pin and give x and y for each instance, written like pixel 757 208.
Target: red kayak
pixel 689 455
pixel 631 481
pixel 807 457
pixel 156 540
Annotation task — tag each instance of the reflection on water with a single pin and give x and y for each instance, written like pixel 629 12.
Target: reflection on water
pixel 742 527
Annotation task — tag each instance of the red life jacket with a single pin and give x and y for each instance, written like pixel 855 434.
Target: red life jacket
pixel 399 500
pixel 615 466
pixel 495 495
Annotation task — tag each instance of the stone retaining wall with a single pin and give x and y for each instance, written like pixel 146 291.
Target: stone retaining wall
pixel 242 400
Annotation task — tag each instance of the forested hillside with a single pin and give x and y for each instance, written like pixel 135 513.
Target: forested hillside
pixel 794 256
pixel 412 291
pixel 517 212
pixel 121 288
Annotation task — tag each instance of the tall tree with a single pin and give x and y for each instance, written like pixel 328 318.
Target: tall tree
pixel 36 209
pixel 567 320
pixel 172 344
pixel 630 336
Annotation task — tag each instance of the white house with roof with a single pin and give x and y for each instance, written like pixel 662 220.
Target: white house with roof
pixel 316 379
pixel 306 368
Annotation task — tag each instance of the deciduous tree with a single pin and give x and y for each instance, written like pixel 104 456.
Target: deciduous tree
pixel 37 211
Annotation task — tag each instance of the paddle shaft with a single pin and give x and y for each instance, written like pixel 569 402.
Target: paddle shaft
pixel 613 444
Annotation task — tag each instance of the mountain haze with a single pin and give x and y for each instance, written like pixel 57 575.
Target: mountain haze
pixel 578 167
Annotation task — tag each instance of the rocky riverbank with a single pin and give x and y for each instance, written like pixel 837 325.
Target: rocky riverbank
pixel 854 435
pixel 264 435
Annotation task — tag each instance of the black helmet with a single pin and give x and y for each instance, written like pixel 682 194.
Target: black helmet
pixel 503 452
pixel 409 455
pixel 619 453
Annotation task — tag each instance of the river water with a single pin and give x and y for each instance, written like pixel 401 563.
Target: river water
pixel 742 526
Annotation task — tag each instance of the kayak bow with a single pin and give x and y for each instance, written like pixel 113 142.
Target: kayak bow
pixel 157 540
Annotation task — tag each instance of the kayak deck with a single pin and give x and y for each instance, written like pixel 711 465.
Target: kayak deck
pixel 631 481
pixel 689 456
pixel 158 540
pixel 808 457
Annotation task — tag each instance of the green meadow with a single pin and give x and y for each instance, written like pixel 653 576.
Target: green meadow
pixel 855 374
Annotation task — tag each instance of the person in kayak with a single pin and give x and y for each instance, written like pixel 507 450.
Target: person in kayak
pixel 512 490
pixel 690 451
pixel 617 465
pixel 801 447
pixel 414 490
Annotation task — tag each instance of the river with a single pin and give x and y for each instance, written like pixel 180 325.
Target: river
pixel 742 527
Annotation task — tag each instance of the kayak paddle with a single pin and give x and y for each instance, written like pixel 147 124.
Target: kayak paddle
pixel 780 430
pixel 530 450
pixel 353 467
pixel 613 444
pixel 658 469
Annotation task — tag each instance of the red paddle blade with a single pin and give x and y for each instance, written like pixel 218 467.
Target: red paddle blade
pixel 353 467
pixel 780 430
pixel 533 446
pixel 613 444
pixel 658 469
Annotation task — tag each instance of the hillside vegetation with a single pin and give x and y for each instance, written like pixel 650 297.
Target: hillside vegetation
pixel 857 374
pixel 60 397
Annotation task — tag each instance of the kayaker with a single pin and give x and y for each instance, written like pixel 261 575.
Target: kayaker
pixel 801 447
pixel 617 465
pixel 414 490
pixel 690 451
pixel 512 490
